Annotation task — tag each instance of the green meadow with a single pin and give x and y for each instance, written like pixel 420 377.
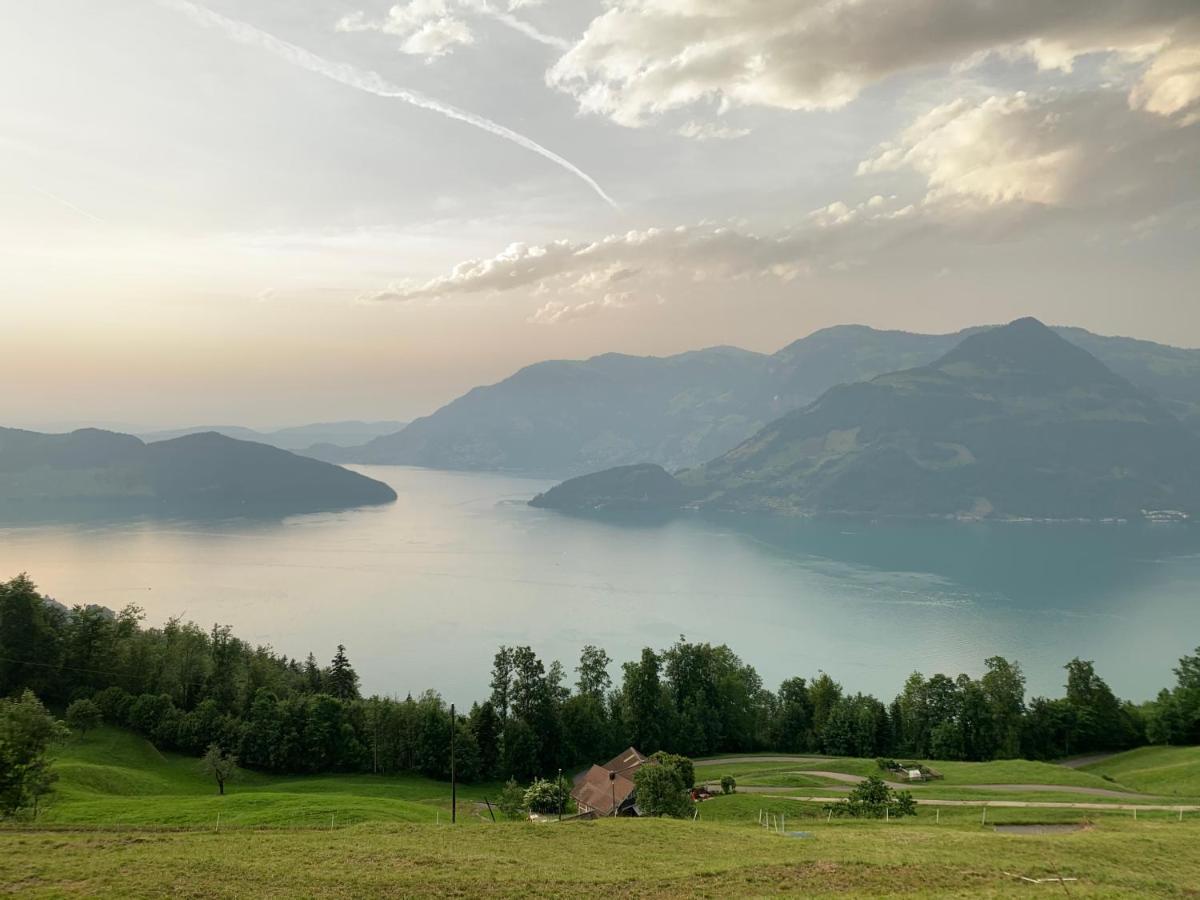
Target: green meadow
pixel 129 821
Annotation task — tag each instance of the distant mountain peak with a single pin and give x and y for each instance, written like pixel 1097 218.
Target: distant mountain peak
pixel 1026 347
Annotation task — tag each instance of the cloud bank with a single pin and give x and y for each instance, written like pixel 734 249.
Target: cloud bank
pixel 641 58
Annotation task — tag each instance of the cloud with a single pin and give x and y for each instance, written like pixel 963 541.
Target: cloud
pixel 1171 85
pixel 426 27
pixel 691 253
pixel 556 312
pixel 1083 151
pixel 709 131
pixel 968 170
pixel 641 58
pixel 433 28
pixel 370 82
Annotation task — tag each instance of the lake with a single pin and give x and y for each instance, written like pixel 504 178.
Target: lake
pixel 423 591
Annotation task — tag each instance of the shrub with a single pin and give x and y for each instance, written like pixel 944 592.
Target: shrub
pixel 512 800
pixel 547 797
pixel 83 716
pixel 660 792
pixel 681 764
pixel 873 799
pixel 728 785
pixel 114 703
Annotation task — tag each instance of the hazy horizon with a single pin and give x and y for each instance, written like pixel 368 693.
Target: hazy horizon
pixel 269 425
pixel 267 213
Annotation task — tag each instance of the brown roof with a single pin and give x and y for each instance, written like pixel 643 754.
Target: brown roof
pixel 600 786
pixel 629 761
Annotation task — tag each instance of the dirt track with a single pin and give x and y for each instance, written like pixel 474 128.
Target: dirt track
pixel 1008 788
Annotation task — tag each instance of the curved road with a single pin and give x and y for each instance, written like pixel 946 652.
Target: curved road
pixel 1009 788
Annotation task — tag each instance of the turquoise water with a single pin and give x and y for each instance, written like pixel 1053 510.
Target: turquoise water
pixel 422 591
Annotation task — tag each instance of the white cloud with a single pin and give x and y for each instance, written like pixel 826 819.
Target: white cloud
pixel 1171 85
pixel 427 27
pixel 693 253
pixel 641 58
pixel 710 131
pixel 434 28
pixel 555 311
pixel 1077 151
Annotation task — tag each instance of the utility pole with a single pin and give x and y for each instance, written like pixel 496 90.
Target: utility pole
pixel 453 782
pixel 558 787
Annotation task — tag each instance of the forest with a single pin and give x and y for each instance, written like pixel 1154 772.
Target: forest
pixel 187 688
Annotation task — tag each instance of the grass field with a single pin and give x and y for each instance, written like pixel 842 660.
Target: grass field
pixel 116 778
pixel 128 821
pixel 621 858
pixel 1161 774
pixel 1169 771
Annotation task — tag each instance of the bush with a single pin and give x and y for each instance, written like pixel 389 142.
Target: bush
pixel 83 716
pixel 873 799
pixel 512 801
pixel 661 792
pixel 886 764
pixel 681 764
pixel 547 797
pixel 114 703
pixel 728 785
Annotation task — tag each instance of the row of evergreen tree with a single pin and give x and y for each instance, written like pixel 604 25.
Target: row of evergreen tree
pixel 185 688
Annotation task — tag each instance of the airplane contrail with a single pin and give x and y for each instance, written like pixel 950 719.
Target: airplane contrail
pixel 371 82
pixel 530 31
pixel 66 203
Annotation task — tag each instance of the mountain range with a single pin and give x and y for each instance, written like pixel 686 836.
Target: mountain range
pixel 296 438
pixel 1015 422
pixel 207 472
pixel 567 417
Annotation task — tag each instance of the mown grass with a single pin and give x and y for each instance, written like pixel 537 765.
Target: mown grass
pixel 104 836
pixel 112 777
pixel 1167 771
pixel 623 858
pixel 745 809
pixel 1157 773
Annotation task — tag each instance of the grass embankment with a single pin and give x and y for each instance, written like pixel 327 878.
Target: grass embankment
pixel 103 835
pixel 1161 774
pixel 624 858
pixel 1167 771
pixel 113 777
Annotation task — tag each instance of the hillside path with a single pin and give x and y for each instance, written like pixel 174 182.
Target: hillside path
pixel 728 760
pixel 1034 804
pixel 1009 788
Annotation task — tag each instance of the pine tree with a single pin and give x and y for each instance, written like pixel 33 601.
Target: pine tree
pixel 313 677
pixel 343 680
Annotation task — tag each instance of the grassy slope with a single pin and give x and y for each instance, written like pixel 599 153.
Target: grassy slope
pixel 627 858
pixel 1165 774
pixel 1169 771
pixel 114 777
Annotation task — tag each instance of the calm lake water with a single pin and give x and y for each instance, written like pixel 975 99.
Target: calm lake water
pixel 423 591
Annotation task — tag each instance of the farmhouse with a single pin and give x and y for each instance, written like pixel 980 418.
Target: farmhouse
pixel 609 790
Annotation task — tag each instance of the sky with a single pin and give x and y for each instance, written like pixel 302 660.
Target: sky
pixel 269 212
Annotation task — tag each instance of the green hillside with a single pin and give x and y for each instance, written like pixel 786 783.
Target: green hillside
pixel 1015 422
pixel 114 777
pixel 1169 771
pixel 129 821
